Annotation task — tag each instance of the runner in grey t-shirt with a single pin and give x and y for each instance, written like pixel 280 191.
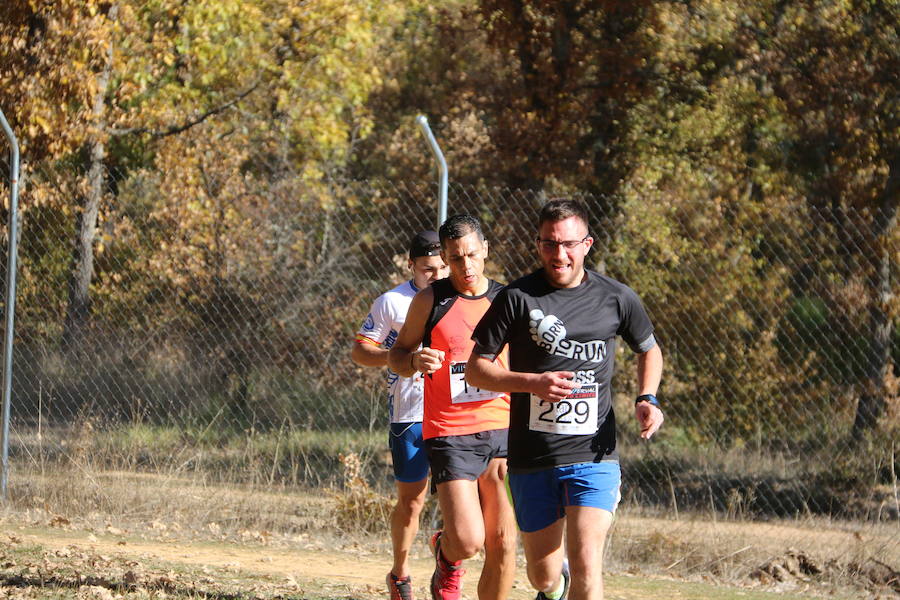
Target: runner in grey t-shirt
pixel 561 323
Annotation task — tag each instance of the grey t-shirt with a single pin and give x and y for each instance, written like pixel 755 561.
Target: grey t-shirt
pixel 563 329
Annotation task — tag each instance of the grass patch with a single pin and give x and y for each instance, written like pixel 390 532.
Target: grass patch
pixel 283 457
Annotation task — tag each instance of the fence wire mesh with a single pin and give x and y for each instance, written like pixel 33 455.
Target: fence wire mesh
pixel 204 326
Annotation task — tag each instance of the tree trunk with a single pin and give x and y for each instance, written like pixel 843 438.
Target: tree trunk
pixel 872 399
pixel 79 307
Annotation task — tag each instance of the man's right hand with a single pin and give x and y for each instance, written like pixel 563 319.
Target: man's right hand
pixel 553 386
pixel 427 360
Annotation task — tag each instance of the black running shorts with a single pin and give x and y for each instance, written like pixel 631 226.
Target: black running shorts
pixel 464 456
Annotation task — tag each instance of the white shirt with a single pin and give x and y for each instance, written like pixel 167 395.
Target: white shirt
pixel 382 326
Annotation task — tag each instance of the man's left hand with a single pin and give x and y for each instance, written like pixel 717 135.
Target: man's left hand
pixel 650 417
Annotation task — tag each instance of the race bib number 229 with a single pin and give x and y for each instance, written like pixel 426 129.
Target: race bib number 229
pixel 576 414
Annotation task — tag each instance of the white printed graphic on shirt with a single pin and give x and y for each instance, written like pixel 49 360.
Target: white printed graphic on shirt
pixel 576 414
pixel 549 332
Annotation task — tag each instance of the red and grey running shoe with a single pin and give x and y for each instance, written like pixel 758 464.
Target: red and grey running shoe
pixel 446 583
pixel 400 588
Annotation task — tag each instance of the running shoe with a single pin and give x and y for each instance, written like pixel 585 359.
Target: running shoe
pixel 446 582
pixel 566 576
pixel 400 588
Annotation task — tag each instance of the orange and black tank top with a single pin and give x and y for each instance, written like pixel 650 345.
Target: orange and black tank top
pixel 452 406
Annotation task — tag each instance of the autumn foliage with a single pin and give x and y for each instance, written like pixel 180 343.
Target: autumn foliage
pixel 215 190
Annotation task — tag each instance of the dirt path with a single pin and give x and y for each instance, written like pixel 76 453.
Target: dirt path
pixel 313 565
pixel 354 572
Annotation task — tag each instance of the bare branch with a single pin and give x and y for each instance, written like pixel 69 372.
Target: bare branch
pixel 175 129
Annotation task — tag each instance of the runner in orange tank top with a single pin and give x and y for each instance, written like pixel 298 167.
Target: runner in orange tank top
pixel 465 429
pixel 454 407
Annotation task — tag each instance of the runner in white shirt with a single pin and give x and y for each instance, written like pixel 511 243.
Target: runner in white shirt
pixel 376 336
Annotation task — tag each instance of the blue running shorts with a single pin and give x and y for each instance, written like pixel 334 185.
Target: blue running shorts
pixel 540 498
pixel 408 452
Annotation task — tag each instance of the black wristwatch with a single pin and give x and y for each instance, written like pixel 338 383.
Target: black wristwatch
pixel 647 398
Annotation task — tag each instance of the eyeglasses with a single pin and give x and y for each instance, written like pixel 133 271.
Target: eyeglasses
pixel 552 245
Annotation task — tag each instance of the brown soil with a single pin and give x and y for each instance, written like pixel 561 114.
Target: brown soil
pixel 154 525
pixel 354 572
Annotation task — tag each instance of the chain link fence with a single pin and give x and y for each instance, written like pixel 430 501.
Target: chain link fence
pixel 212 333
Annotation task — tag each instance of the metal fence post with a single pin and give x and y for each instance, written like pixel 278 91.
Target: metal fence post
pixel 422 120
pixel 10 296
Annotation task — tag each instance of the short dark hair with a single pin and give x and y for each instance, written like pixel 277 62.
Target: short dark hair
pixel 559 209
pixel 459 226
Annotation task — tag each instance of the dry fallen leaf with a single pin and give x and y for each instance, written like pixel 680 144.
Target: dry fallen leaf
pixel 59 521
pixel 94 592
